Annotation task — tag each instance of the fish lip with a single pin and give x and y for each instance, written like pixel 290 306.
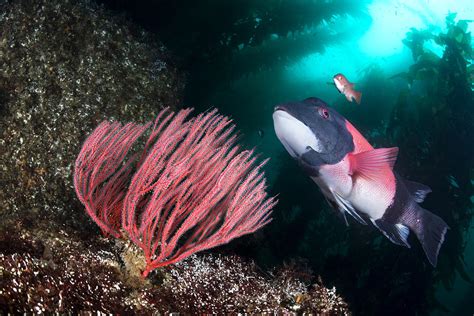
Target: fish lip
pixel 279 108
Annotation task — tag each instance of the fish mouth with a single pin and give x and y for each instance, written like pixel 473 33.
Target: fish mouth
pixel 279 108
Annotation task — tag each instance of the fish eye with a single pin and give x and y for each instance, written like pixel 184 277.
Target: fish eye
pixel 324 113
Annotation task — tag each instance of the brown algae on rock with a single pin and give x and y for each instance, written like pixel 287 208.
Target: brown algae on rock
pixel 44 271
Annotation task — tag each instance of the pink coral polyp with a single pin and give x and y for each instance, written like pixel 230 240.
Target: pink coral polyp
pixel 191 188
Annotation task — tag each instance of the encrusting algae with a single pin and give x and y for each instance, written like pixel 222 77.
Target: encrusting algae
pixel 66 66
pixel 55 271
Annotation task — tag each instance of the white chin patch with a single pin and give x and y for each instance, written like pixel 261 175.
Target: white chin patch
pixel 293 134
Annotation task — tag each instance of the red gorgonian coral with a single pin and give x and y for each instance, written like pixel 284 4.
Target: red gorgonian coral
pixel 191 188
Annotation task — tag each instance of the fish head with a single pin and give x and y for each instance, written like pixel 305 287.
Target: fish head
pixel 340 81
pixel 312 125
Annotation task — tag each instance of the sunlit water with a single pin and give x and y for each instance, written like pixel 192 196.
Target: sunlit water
pixel 381 43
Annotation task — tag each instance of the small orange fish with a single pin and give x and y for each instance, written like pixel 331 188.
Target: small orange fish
pixel 347 88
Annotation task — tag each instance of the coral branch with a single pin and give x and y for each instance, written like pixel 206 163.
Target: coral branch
pixel 193 188
pixel 101 176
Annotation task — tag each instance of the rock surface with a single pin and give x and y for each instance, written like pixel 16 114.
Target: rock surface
pixel 45 271
pixel 64 67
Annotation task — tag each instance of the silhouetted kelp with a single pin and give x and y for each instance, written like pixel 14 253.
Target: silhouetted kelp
pixel 220 41
pixel 433 120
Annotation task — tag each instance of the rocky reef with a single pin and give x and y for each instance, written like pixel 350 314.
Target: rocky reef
pixel 65 67
pixel 45 271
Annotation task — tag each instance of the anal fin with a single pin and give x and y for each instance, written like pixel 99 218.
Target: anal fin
pixel 396 233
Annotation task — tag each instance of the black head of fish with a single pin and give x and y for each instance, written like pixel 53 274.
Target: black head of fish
pixel 312 125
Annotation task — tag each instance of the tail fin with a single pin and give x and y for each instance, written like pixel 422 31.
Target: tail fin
pixel 357 96
pixel 430 230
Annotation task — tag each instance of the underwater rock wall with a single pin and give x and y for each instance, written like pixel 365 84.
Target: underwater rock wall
pixel 66 66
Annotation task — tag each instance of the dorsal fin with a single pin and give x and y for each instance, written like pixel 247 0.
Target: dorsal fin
pixel 397 233
pixel 417 190
pixel 360 143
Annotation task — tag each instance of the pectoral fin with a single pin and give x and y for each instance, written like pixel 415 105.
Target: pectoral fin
pixel 369 163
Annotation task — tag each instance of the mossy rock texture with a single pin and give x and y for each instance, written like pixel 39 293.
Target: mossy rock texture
pixel 64 67
pixel 55 271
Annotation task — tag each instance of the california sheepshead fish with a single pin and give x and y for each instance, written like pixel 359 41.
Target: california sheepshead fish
pixel 347 88
pixel 354 177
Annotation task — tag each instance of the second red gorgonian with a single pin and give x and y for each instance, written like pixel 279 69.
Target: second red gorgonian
pixel 191 188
